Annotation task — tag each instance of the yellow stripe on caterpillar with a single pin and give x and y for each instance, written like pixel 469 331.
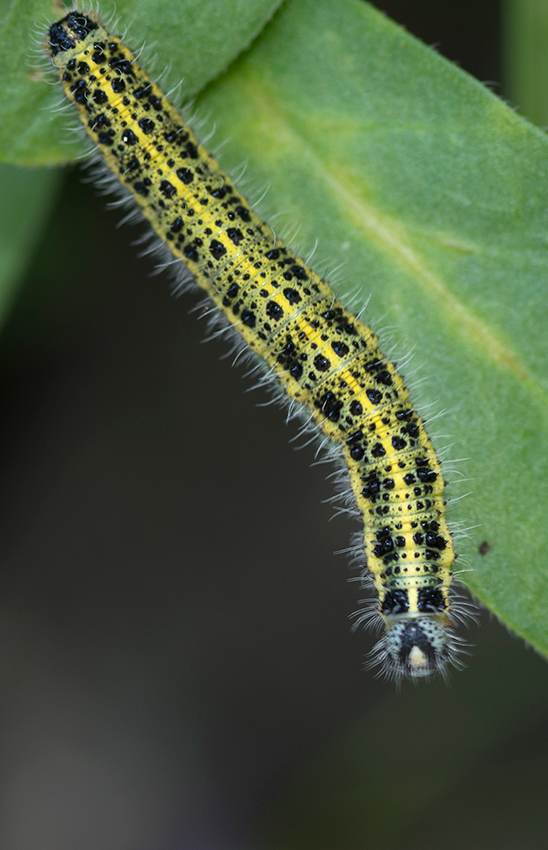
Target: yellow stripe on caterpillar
pixel 323 356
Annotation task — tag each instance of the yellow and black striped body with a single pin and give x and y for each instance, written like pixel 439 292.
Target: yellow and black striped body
pixel 323 356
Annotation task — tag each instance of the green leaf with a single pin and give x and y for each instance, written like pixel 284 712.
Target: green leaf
pixel 198 38
pixel 432 192
pixel 525 36
pixel 25 202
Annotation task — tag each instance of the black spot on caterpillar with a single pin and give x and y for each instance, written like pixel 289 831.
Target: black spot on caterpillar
pixel 323 357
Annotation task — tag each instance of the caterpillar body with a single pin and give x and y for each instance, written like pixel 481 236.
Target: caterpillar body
pixel 324 358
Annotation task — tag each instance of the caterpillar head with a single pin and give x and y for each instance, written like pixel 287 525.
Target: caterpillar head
pixel 64 35
pixel 414 648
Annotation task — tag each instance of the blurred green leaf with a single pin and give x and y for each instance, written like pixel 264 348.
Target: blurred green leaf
pixel 432 192
pixel 4 9
pixel 198 38
pixel 25 202
pixel 525 39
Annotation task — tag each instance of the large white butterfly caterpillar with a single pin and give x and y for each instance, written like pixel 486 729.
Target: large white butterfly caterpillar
pixel 324 357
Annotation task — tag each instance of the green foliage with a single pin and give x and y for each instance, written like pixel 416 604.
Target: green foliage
pixel 25 202
pixel 429 189
pixel 525 33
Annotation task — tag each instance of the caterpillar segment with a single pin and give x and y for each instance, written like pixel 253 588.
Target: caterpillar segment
pixel 323 356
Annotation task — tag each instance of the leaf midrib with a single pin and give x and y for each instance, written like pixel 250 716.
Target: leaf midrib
pixel 391 237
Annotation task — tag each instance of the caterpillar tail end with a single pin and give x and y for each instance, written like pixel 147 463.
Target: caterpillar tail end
pixel 414 648
pixel 64 34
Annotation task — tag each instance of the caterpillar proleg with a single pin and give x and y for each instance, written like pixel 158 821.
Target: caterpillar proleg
pixel 325 359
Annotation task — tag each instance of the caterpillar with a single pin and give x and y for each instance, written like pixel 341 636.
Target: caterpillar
pixel 323 357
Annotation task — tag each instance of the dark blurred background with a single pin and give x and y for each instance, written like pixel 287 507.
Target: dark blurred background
pixel 176 668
